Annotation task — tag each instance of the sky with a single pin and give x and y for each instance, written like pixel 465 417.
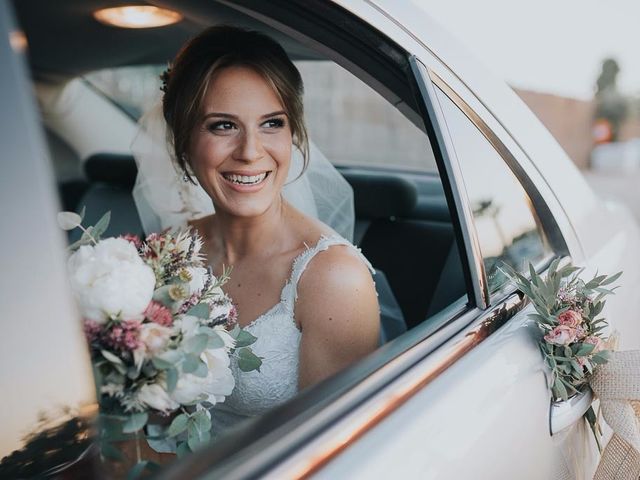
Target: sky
pixel 554 46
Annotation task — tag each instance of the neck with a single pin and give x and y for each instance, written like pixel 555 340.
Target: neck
pixel 241 236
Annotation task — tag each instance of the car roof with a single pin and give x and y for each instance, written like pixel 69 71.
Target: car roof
pixel 65 39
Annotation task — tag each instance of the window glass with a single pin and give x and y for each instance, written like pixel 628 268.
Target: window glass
pixel 353 125
pixel 508 228
pixel 134 89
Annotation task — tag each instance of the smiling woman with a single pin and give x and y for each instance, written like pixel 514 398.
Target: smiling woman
pixel 235 141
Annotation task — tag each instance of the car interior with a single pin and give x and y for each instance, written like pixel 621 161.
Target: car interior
pixel 403 225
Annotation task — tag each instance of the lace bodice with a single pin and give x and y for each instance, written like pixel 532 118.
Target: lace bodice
pixel 278 341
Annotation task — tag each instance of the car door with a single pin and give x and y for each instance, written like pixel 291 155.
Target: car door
pixel 465 395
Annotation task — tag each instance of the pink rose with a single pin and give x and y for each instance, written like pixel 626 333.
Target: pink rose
pixel 570 318
pixel 561 335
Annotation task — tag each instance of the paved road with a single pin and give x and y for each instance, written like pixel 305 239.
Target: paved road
pixel 624 186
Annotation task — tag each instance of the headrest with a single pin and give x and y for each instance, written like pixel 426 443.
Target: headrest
pixel 112 168
pixel 381 196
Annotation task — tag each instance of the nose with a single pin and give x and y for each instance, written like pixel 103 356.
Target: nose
pixel 249 147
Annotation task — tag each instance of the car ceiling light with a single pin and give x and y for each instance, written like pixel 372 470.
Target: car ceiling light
pixel 137 16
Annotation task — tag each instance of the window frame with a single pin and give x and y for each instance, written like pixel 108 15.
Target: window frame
pixel 541 211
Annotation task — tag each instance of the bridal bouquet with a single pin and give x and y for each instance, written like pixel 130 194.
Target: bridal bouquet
pixel 568 313
pixel 161 331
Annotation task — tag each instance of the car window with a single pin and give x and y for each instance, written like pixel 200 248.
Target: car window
pixel 353 125
pixel 507 225
pixel 133 89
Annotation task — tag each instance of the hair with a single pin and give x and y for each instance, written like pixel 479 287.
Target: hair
pixel 219 47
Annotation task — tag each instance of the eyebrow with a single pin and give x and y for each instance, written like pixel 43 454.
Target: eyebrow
pixel 229 115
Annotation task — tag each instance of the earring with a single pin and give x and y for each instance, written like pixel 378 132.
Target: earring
pixel 185 177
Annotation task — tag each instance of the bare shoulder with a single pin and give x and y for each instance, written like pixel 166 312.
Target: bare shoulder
pixel 337 310
pixel 333 270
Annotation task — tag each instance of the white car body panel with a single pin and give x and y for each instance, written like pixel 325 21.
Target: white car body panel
pixel 462 424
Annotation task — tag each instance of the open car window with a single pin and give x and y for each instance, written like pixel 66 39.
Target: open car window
pixel 405 225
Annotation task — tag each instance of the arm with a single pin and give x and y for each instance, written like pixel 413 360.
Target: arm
pixel 338 313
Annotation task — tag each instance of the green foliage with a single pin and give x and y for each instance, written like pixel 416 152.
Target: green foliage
pixel 562 289
pixel 201 310
pixel 135 422
pixel 248 361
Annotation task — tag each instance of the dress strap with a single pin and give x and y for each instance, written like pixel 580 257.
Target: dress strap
pixel 290 292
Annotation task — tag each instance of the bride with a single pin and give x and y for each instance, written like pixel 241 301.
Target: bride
pixel 234 113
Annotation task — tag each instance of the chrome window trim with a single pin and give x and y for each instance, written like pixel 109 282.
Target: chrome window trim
pixel 541 208
pixel 541 211
pixel 453 176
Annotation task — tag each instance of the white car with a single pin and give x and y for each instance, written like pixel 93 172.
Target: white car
pixel 451 173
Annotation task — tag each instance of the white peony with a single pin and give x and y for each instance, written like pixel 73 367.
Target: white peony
pixel 218 383
pixel 110 279
pixel 155 396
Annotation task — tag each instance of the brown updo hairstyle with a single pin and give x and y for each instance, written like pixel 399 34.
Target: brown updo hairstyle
pixel 216 48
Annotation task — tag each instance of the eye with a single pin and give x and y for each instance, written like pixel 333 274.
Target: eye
pixel 278 122
pixel 221 126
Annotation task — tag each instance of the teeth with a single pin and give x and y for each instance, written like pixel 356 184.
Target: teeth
pixel 244 179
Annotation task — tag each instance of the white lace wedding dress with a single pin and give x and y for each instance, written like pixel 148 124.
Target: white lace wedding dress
pixel 278 341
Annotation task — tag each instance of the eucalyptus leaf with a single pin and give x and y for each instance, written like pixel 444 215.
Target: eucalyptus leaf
pixel 68 220
pixel 190 363
pixel 172 379
pixel 202 370
pixel 135 422
pixel 102 225
pixel 111 357
pixel 197 438
pixel 611 279
pixel 215 340
pixel 202 421
pixel 196 344
pixel 161 364
pixel 178 425
pixel 244 339
pixel 83 211
pixel 584 349
pixel 201 310
pixel 183 449
pixel 559 389
pixel 248 361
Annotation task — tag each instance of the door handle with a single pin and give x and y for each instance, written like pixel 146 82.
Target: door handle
pixel 568 412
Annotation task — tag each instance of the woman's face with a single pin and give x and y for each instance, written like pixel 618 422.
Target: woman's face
pixel 241 148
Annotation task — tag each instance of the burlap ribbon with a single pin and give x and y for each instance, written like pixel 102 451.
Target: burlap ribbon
pixel 617 385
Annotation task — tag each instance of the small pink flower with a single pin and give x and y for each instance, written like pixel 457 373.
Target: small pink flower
pixel 125 336
pixel 561 335
pixel 232 319
pixel 593 340
pixel 133 239
pixel 92 330
pixel 570 318
pixel 158 313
